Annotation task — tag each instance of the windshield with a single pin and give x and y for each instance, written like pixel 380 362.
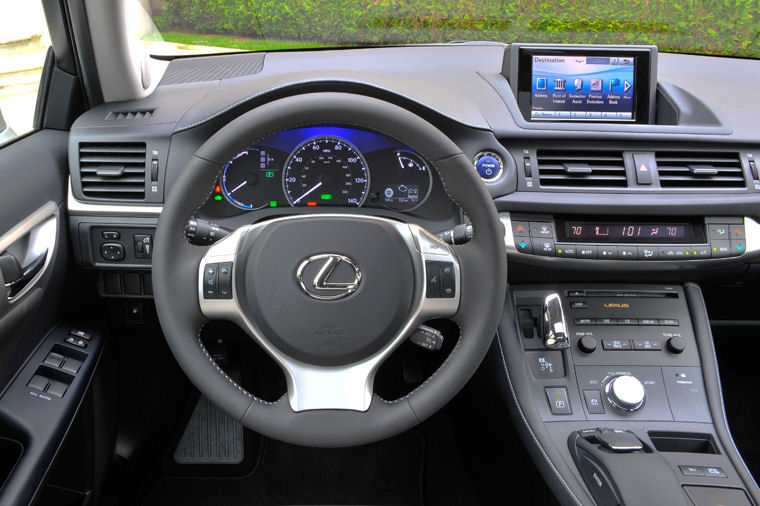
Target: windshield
pixel 715 27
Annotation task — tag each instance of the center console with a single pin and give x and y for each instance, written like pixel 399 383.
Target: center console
pixel 617 387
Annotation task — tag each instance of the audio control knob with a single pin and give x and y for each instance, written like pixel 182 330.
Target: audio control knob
pixel 625 392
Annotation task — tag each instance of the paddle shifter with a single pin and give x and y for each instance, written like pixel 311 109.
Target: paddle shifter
pixel 553 325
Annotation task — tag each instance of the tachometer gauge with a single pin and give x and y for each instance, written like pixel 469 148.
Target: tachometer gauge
pixel 407 179
pixel 326 171
pixel 252 178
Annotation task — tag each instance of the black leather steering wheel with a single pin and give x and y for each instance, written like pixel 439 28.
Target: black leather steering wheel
pixel 329 296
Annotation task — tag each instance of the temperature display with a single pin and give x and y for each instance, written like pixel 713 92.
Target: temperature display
pixel 629 232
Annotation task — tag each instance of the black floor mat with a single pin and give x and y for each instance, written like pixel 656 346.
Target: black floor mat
pixel 388 473
pixel 211 437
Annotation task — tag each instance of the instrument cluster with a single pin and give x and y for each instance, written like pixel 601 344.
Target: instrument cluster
pixel 325 166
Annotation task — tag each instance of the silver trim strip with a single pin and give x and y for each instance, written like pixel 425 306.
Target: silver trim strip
pixel 79 208
pixel 350 386
pixel 751 235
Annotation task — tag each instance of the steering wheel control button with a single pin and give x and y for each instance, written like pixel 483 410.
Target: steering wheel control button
pixel 75 341
pixel 546 364
pixel 225 280
pixel 625 392
pixel 489 165
pixel 594 404
pixel 431 245
pixel 543 247
pixel 427 337
pixel 112 251
pixel 448 280
pixel 211 281
pixel 559 404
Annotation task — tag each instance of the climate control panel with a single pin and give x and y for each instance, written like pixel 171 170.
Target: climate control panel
pixel 642 239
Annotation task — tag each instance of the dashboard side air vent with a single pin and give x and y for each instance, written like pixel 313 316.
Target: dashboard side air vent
pixel 112 170
pixel 122 115
pixel 695 169
pixel 581 168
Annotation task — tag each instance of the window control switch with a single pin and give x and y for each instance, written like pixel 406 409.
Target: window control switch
pixel 38 382
pixel 57 388
pixel 54 360
pixel 71 365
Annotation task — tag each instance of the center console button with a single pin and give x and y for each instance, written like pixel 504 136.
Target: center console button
pixel 648 252
pixel 628 321
pixel 737 232
pixel 523 244
pixel 559 404
pixel 544 247
pixel 628 253
pixel 719 232
pixel 616 344
pixel 702 251
pixel 587 344
pixel 546 364
pixel 521 229
pixel 608 252
pixel 648 321
pixel 738 247
pixel 676 344
pixel 625 392
pixel 607 321
pixel 587 251
pixel 646 345
pixel 720 249
pixel 594 403
pixel 542 230
pixel 567 250
pixel 670 322
pixel 692 470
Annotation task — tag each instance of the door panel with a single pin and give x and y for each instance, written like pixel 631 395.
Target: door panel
pixel 33 246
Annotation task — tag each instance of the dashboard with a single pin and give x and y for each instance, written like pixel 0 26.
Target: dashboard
pixel 686 160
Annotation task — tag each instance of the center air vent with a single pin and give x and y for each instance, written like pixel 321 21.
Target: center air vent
pixel 112 170
pixel 581 169
pixel 136 114
pixel 694 169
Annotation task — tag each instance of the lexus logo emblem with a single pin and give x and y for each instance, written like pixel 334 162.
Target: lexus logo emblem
pixel 319 285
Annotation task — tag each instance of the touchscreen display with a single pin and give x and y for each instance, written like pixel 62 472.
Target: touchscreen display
pixel 583 88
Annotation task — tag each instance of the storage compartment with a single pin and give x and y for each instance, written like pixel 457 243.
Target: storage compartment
pixel 684 442
pixel 10 453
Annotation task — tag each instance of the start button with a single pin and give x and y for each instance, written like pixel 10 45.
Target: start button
pixel 489 165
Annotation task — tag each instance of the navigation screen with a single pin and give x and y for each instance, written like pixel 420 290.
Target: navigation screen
pixel 582 88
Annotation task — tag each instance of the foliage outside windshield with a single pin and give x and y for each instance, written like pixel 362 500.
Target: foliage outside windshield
pixel 718 27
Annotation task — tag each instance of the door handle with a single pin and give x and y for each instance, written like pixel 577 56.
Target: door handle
pixel 23 275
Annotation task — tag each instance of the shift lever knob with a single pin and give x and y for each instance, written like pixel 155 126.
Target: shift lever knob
pixel 553 325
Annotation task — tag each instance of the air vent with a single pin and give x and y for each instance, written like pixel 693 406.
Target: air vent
pixel 122 115
pixel 694 169
pixel 112 170
pixel 581 168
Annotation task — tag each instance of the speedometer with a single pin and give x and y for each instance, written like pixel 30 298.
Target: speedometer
pixel 326 171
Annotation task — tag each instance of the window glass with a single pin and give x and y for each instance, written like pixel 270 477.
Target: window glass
pixel 24 41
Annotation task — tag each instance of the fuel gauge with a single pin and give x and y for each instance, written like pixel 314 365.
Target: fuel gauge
pixel 407 181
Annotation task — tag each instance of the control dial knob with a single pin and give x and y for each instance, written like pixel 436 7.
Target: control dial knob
pixel 625 392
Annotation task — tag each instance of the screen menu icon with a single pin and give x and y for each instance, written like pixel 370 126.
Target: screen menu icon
pixel 559 84
pixel 541 84
pixel 596 85
pixel 578 84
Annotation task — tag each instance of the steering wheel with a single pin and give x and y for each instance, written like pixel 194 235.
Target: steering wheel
pixel 329 296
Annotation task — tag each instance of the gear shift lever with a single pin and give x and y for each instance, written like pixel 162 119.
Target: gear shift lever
pixel 553 325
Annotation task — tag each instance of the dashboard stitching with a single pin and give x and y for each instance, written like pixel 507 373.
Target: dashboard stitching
pixel 527 425
pixel 305 81
pixel 407 396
